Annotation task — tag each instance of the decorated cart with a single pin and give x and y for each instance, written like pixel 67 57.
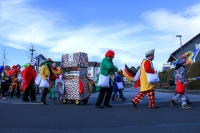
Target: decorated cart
pixel 76 83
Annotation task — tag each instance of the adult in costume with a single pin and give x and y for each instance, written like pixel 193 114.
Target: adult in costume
pixel 181 82
pixel 55 75
pixel 5 81
pixel 19 81
pixel 28 79
pixel 145 86
pixel 46 73
pixel 107 68
pixel 14 84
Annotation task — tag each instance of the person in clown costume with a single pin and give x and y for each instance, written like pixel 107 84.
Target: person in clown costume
pixel 46 73
pixel 19 81
pixel 28 82
pixel 145 86
pixel 14 83
pixel 55 75
pixel 107 68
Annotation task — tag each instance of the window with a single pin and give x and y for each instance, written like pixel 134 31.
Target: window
pixel 197 45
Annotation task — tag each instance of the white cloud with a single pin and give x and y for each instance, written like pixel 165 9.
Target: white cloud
pixel 25 23
pixel 185 23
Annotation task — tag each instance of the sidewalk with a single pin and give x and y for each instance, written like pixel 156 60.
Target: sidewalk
pixel 187 91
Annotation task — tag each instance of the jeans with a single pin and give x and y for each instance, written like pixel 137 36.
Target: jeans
pixel 120 94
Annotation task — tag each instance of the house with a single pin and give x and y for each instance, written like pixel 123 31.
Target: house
pixel 39 58
pixel 166 67
pixel 93 69
pixel 192 44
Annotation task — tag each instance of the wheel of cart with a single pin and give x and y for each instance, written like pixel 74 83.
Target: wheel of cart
pixel 85 101
pixel 77 102
pixel 64 101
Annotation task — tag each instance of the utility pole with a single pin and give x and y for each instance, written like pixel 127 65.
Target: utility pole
pixel 180 43
pixel 32 50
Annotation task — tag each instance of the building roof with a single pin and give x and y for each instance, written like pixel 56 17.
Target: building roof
pixel 171 57
pixel 93 64
pixel 40 55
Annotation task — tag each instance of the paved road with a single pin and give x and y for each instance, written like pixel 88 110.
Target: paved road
pixel 19 117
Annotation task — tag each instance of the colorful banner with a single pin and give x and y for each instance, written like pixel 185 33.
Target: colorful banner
pixel 190 56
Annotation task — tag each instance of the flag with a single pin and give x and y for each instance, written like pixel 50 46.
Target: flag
pixel 190 56
pixel 128 73
pixel 195 78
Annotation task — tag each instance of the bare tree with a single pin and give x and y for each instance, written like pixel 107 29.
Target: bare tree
pixel 31 52
pixel 4 57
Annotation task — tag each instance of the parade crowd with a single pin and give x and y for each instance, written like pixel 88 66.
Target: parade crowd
pixel 109 82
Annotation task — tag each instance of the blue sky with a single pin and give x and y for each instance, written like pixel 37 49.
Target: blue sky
pixel 129 27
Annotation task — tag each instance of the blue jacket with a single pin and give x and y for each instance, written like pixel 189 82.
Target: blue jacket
pixel 117 79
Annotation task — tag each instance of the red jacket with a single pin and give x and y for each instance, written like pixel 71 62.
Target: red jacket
pixel 28 74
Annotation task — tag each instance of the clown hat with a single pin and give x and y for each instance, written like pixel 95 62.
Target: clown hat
pixel 150 53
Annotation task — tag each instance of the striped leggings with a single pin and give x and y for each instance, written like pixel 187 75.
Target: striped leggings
pixel 151 97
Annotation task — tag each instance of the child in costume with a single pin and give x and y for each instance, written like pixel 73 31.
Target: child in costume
pixel 59 89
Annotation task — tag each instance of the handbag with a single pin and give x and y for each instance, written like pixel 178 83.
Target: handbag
pixel 103 81
pixel 120 85
pixel 19 78
pixel 44 83
pixel 180 88
pixel 38 79
pixel 152 78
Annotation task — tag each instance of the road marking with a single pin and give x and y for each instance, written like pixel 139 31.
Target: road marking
pixel 25 103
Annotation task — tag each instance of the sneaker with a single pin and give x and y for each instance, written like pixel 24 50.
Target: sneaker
pixel 124 99
pixel 172 102
pixel 54 98
pixel 33 101
pixel 4 98
pixel 186 107
pixel 27 100
pixel 99 106
pixel 43 103
pixel 108 106
pixel 134 105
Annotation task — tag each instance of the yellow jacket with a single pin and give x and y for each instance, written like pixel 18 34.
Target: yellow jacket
pixel 44 72
pixel 144 84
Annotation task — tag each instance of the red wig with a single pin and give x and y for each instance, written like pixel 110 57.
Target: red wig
pixel 121 71
pixel 110 53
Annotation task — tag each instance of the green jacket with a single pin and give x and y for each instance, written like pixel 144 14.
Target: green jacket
pixel 107 67
pixel 4 77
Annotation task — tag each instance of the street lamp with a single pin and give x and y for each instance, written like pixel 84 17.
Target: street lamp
pixel 180 42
